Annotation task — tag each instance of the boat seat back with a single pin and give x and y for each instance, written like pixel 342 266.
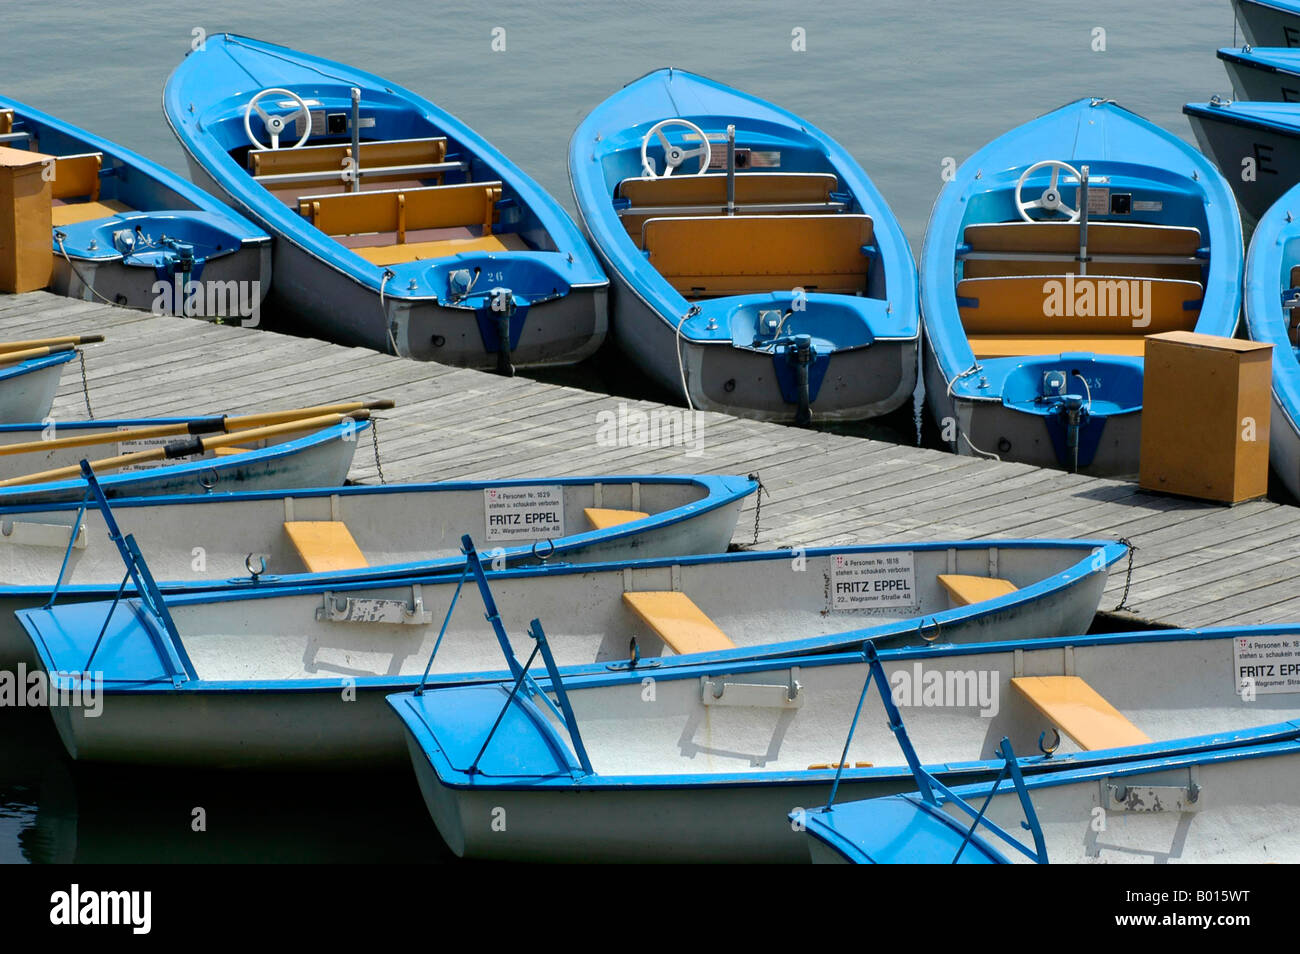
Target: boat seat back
pixel 756 193
pixel 966 590
pixel 602 518
pixel 1295 276
pixel 709 256
pixel 1079 711
pixel 325 545
pixel 63 215
pixel 6 121
pixel 1079 305
pixel 674 618
pixel 440 248
pixel 329 158
pixel 77 177
pixel 1014 346
pixel 1128 249
pixel 403 210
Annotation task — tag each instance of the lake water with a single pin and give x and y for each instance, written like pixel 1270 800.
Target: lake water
pixel 902 84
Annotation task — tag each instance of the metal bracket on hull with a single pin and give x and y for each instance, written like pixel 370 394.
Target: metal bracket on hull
pixel 339 609
pixel 1151 799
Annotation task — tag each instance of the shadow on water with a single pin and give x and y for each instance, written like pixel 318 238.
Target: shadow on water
pixel 53 810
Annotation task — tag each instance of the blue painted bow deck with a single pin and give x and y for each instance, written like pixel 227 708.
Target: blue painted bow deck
pixel 1198 564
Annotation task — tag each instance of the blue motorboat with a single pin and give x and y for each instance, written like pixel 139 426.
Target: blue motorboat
pixel 1272 300
pixel 757 270
pixel 129 232
pixel 1048 258
pixel 1255 144
pixel 397 227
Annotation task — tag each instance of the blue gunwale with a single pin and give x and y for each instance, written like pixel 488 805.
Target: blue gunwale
pixel 1275 243
pixel 195 203
pixel 407 706
pixel 745 657
pixel 720 491
pixel 619 123
pixel 193 99
pixel 36 364
pixel 1277 117
pixel 1266 59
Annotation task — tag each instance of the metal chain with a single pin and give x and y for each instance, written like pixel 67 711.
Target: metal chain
pixel 85 387
pixel 758 505
pixel 374 440
pixel 1128 576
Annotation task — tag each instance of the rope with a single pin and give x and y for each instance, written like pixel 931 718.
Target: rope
pixel 85 387
pixel 1128 576
pixel 374 440
pixel 976 449
pixel 681 362
pixel 59 237
pixel 388 325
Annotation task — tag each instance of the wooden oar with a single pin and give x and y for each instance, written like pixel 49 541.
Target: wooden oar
pixel 49 342
pixel 14 357
pixel 196 445
pixel 203 425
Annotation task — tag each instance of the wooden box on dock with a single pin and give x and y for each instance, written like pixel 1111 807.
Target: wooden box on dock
pixel 25 256
pixel 1205 414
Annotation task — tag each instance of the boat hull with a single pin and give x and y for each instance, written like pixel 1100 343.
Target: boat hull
pixel 1276 155
pixel 28 394
pixel 1267 24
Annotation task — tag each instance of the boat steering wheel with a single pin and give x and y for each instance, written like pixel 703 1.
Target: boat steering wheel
pixel 674 156
pixel 277 124
pixel 1050 201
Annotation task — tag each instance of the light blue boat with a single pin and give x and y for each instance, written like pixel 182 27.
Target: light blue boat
pixel 397 227
pixel 125 228
pixel 757 270
pixel 1036 303
pixel 1272 297
pixel 1269 22
pixel 273 675
pixel 707 762
pixel 1255 144
pixel 1270 74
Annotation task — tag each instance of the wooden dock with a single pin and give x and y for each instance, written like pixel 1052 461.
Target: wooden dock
pixel 1196 564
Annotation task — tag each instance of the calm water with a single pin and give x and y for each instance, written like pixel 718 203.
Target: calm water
pixel 901 83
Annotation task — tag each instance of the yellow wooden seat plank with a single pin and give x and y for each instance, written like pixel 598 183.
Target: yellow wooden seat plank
pixel 228 451
pixel 74 212
pixel 76 176
pixel 1079 711
pixel 1011 346
pixel 676 620
pixel 415 251
pixel 603 518
pixel 750 187
pixel 401 210
pixel 1104 238
pixel 1090 304
pixel 329 157
pixel 702 255
pixel 325 545
pixel 1000 268
pixel 965 590
pixel 6 121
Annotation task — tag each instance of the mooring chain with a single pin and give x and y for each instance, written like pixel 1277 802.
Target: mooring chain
pixel 374 440
pixel 758 505
pixel 1128 575
pixel 85 387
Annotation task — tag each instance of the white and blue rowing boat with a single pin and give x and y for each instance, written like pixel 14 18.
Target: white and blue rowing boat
pixel 130 232
pixel 335 535
pixel 272 676
pixel 757 269
pixel 706 762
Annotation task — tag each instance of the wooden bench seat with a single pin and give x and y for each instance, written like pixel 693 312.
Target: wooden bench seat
pixel 1130 249
pixel 77 176
pixel 418 251
pixel 602 518
pixel 1079 711
pixel 966 590
pixel 330 158
pixel 1018 305
pixel 70 213
pixel 674 618
pixel 709 256
pixel 400 210
pixel 1013 346
pixel 756 193
pixel 325 545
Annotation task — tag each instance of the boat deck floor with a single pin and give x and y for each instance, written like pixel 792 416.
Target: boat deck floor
pixel 1198 564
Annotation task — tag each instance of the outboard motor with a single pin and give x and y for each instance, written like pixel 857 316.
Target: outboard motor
pixel 800 354
pixel 502 302
pixel 1076 415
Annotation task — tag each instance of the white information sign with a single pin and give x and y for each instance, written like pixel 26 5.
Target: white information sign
pixel 873 580
pixel 1263 664
pixel 524 513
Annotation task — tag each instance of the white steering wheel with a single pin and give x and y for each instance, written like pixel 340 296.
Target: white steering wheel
pixel 674 156
pixel 277 124
pixel 1050 200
